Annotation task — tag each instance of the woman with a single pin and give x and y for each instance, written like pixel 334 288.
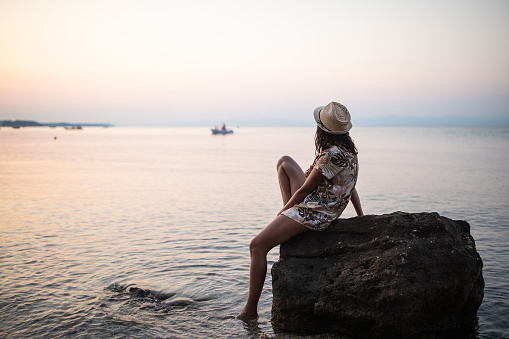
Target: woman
pixel 311 200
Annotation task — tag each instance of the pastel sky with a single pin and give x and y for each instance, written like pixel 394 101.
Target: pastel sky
pixel 148 62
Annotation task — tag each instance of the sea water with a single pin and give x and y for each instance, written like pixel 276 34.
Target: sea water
pixel 87 216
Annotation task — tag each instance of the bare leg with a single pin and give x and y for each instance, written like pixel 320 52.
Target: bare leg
pixel 291 177
pixel 278 231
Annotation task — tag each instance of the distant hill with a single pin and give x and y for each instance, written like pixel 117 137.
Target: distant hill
pixel 29 123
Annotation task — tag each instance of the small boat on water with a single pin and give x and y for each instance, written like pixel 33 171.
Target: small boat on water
pixel 221 131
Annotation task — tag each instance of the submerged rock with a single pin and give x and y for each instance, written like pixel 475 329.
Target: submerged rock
pixel 391 275
pixel 147 293
pixel 140 292
pixel 179 302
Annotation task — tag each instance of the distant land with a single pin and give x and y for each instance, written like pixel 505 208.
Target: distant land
pixel 380 121
pixel 29 123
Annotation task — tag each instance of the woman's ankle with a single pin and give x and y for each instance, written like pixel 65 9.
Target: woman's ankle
pixel 246 315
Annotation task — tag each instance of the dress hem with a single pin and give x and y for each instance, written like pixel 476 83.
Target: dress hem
pixel 307 226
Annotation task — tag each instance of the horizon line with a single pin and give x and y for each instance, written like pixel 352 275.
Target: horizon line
pixel 380 121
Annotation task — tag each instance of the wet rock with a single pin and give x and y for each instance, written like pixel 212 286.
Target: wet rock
pixel 138 292
pixel 163 295
pixel 116 287
pixel 391 275
pixel 179 302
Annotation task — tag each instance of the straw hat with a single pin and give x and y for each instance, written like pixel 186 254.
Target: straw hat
pixel 333 118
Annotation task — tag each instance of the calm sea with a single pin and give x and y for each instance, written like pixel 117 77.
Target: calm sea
pixel 87 214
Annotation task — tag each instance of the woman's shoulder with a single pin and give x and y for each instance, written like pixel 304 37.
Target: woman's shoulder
pixel 335 150
pixel 337 154
pixel 332 160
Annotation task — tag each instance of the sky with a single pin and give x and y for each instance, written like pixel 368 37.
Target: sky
pixel 192 62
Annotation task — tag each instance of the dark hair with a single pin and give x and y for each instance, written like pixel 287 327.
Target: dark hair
pixel 325 140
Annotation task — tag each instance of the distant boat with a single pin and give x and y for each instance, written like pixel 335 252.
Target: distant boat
pixel 73 127
pixel 221 131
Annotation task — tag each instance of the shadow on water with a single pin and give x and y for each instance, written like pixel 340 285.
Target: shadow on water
pixel 254 330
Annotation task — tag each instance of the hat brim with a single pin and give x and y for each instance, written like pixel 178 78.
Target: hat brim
pixel 316 115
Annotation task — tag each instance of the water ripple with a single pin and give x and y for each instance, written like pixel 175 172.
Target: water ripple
pixel 119 233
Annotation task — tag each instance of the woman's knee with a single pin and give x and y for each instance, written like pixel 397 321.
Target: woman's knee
pixel 285 159
pixel 256 246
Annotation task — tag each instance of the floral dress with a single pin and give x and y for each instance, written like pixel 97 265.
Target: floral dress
pixel 328 200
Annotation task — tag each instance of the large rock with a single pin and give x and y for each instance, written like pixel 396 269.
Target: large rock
pixel 391 275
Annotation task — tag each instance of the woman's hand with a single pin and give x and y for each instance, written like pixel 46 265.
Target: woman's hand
pixel 356 201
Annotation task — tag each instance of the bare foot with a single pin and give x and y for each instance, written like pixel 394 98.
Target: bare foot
pixel 246 316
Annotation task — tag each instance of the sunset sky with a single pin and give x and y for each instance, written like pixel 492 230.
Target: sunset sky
pixel 134 62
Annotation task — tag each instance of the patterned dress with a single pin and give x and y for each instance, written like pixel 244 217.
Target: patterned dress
pixel 328 200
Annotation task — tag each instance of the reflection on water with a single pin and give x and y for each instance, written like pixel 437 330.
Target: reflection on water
pixel 144 232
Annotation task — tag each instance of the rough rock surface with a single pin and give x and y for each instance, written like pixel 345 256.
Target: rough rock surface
pixel 390 275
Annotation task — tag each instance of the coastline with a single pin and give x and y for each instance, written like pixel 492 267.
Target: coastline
pixel 31 123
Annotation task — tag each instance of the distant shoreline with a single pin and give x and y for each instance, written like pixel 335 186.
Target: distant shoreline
pixel 382 121
pixel 30 123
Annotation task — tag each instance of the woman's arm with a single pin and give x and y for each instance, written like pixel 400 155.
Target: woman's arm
pixel 309 185
pixel 356 201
